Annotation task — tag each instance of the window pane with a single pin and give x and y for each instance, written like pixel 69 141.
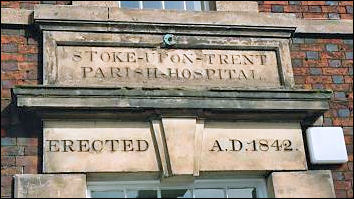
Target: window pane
pixel 178 193
pixel 129 4
pixel 209 193
pixel 194 5
pixel 175 5
pixel 152 5
pixel 107 194
pixel 241 193
pixel 142 194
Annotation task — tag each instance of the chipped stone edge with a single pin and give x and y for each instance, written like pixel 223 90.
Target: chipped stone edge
pixel 16 16
pixel 25 17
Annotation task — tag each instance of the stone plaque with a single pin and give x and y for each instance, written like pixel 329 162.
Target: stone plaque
pixel 98 147
pixel 156 67
pixel 252 146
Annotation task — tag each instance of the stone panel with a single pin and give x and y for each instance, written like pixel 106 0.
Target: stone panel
pixel 107 66
pixel 237 6
pixel 260 146
pixel 307 184
pixel 98 147
pixel 50 186
pixel 180 136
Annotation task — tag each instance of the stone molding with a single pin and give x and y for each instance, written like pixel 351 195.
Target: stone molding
pixel 16 16
pixel 111 14
pixel 50 186
pixel 280 104
pixel 303 184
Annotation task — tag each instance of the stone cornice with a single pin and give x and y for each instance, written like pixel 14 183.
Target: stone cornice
pixel 114 14
pixel 281 104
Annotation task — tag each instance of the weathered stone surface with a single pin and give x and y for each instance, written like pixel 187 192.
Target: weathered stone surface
pixel 307 184
pixel 180 136
pixel 107 66
pixel 85 13
pixel 256 65
pixel 98 147
pixel 220 17
pixel 237 6
pixel 50 186
pixel 95 3
pixel 261 146
pixel 16 16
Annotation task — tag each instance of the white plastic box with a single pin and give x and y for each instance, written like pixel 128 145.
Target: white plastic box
pixel 326 145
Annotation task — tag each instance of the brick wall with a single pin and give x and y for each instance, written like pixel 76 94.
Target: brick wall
pixel 20 61
pixel 317 62
pixel 310 9
pixel 328 64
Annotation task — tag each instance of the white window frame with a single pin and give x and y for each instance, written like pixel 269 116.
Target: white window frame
pixel 204 5
pixel 258 183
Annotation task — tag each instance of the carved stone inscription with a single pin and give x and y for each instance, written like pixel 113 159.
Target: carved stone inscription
pixel 252 146
pixel 148 67
pixel 98 147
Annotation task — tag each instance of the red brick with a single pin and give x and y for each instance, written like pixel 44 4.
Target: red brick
pixel 332 55
pixel 3 131
pixel 299 79
pixel 313 2
pixel 13 75
pixel 342 185
pixel 312 47
pixel 348 140
pixel 315 15
pixel 7 161
pixel 265 8
pixel 27 49
pixel 30 163
pixel 350 193
pixel 342 9
pixel 341 194
pixel 275 2
pixel 347 63
pixel 346 3
pixel 11 170
pixel 350 158
pixel 330 41
pixel 315 63
pixel 27 65
pixel 12 39
pixel 31 151
pixel 6 185
pixel 338 87
pixel 343 121
pixel 346 16
pixel 301 71
pixel 27 142
pixel 12 150
pixel 27 82
pixel 330 9
pixel 11 56
pixel 10 4
pixel 298 54
pixel 6 180
pixel 335 71
pixel 318 79
pixel 348 79
pixel 5 93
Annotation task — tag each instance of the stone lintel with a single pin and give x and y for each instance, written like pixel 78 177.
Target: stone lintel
pixel 296 104
pixel 233 18
pixel 244 6
pixel 50 186
pixel 302 184
pixel 16 16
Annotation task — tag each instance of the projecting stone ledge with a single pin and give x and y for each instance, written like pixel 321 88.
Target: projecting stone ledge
pixel 285 104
